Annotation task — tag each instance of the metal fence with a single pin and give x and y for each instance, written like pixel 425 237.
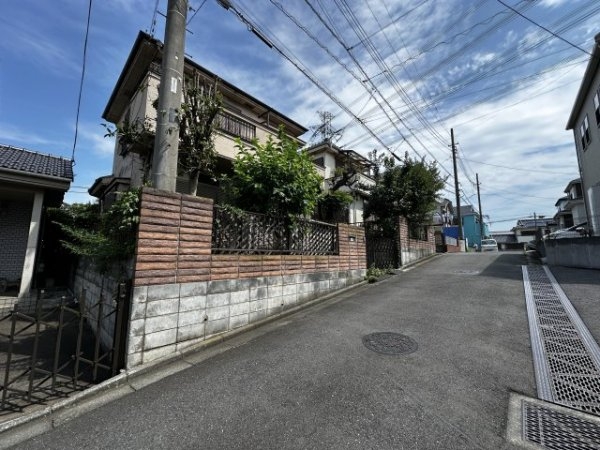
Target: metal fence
pixel 51 350
pixel 252 233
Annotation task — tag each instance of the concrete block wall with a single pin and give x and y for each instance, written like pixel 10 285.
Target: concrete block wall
pixel 91 288
pixel 412 250
pixel 183 294
pixel 581 252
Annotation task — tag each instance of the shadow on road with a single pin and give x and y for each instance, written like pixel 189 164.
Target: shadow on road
pixel 508 265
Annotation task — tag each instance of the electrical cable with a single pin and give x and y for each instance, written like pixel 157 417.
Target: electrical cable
pixel 195 12
pixel 153 23
pixel 544 28
pixel 83 65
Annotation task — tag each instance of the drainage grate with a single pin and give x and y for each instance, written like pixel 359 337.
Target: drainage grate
pixel 390 343
pixel 566 357
pixel 556 430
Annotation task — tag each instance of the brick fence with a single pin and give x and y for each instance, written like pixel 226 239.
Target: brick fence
pixel 412 250
pixel 183 293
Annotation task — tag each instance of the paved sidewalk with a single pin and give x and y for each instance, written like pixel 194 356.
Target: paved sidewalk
pixel 582 286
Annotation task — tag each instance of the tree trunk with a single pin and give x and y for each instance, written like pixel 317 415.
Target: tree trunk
pixel 194 182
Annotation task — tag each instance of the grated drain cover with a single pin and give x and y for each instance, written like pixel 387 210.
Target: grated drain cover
pixel 566 356
pixel 390 343
pixel 556 430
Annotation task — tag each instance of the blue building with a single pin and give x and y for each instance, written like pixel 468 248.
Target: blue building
pixel 471 230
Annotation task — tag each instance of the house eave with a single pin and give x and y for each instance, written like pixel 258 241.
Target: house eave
pixel 571 183
pixel 144 52
pixel 34 180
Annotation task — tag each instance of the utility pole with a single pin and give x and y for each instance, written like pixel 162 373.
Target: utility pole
pixel 480 212
pixel 166 141
pixel 460 233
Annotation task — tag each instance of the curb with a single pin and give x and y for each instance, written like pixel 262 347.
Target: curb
pixel 15 431
pixel 420 262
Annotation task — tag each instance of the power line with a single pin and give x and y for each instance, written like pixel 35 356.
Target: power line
pixel 516 168
pixel 544 28
pixel 153 24
pixel 195 12
pixel 306 72
pixel 85 44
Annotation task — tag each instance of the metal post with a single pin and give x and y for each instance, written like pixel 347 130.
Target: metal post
pixel 36 340
pixel 166 142
pixel 120 332
pixel 11 340
pixel 58 341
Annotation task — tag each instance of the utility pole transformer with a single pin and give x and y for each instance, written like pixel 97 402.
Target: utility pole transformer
pixel 460 232
pixel 480 212
pixel 166 141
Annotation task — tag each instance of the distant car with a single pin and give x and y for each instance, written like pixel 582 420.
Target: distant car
pixel 488 245
pixel 572 232
pixel 531 245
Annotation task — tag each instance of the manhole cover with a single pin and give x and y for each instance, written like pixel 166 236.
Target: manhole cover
pixel 390 343
pixel 466 272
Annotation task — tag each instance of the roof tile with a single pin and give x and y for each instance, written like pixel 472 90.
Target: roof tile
pixel 34 163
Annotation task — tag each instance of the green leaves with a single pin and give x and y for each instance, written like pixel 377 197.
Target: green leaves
pixel 407 190
pixel 197 121
pixel 108 237
pixel 273 178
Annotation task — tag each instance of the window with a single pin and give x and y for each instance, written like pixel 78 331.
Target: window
pixel 584 133
pixel 597 107
pixel 320 161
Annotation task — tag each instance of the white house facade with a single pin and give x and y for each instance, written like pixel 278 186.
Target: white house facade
pixel 585 123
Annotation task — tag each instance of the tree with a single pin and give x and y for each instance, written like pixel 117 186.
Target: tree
pixel 198 117
pixel 197 121
pixel 108 237
pixel 273 178
pixel 408 190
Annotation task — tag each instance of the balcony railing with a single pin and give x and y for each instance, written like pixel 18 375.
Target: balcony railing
pixel 235 126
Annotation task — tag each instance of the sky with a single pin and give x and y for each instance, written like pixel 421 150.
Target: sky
pixel 396 75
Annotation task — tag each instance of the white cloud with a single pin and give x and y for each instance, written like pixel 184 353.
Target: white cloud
pixel 552 3
pixel 92 137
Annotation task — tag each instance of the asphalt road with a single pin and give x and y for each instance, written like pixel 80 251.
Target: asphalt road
pixel 311 383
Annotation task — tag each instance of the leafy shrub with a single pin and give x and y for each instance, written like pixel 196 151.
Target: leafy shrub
pixel 108 238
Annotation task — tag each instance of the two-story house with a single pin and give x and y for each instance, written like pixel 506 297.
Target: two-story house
pixel 346 171
pixel 571 208
pixel 471 227
pixel 585 123
pixel 531 229
pixel 133 101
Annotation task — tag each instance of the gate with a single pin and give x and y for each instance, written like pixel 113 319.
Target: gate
pixel 382 248
pixel 59 346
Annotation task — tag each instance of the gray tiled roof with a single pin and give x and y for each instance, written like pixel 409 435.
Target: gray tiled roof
pixel 34 163
pixel 533 223
pixel 505 238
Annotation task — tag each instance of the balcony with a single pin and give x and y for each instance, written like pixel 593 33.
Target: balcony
pixel 234 126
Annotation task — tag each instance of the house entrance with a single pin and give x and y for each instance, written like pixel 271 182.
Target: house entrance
pixel 382 247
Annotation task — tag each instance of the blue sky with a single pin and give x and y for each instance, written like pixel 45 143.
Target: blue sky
pixel 409 70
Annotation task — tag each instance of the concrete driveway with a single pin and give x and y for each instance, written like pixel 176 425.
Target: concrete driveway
pixel 311 383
